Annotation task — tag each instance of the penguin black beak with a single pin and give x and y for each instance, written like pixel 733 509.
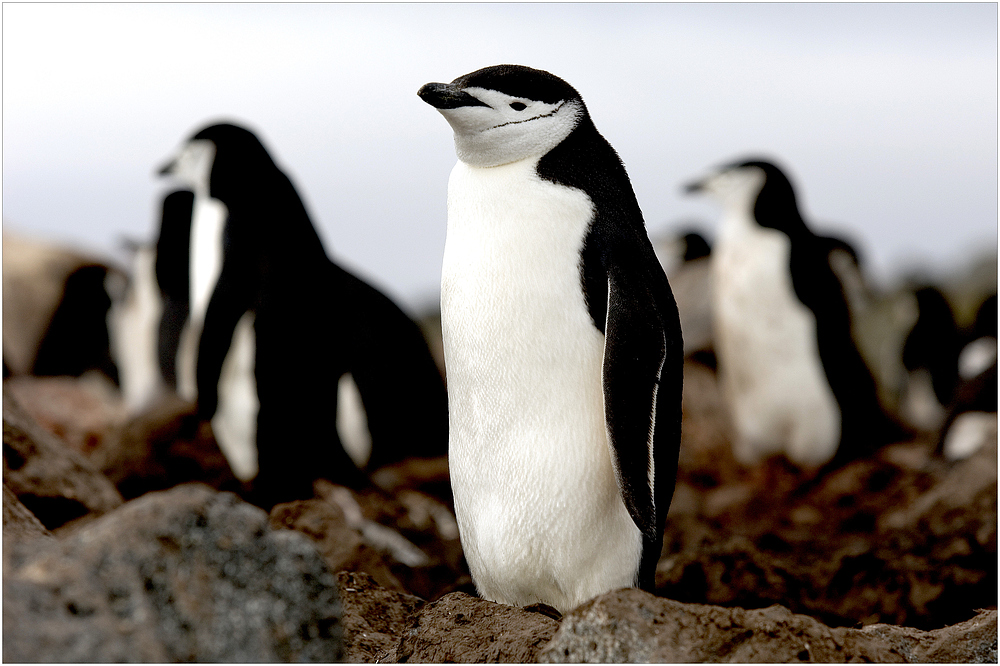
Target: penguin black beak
pixel 447 96
pixel 693 187
pixel 166 169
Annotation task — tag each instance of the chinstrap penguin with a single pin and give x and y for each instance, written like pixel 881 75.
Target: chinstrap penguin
pixel 562 347
pixel 790 370
pixel 274 328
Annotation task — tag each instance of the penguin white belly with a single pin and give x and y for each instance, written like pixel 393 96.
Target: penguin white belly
pixel 208 220
pixel 235 421
pixel 769 361
pixel 133 327
pixel 538 507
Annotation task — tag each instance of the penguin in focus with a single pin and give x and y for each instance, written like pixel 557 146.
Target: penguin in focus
pixel 562 346
pixel 789 367
pixel 274 327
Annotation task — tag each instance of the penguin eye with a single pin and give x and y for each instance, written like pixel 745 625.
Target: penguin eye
pixel 518 106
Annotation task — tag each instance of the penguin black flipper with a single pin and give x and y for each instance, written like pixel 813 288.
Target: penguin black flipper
pixel 630 301
pixel 642 391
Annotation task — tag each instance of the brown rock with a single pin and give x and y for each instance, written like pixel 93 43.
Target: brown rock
pixel 462 628
pixel 162 447
pixel 634 626
pixel 341 545
pixel 56 483
pixel 374 618
pixel 81 411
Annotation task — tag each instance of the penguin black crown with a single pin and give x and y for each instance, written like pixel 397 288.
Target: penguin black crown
pixel 562 346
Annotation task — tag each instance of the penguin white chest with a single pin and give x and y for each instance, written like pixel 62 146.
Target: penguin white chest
pixel 538 506
pixel 771 371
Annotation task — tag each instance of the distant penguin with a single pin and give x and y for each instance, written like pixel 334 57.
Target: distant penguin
pixel 55 307
pixel 562 346
pixel 795 381
pixel 686 259
pixel 274 326
pixel 147 319
pixel 972 413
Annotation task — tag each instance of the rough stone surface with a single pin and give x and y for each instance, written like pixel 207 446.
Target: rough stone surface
pixel 342 546
pixel 81 411
pixel 162 447
pixel 184 575
pixel 19 524
pixel 462 628
pixel 374 618
pixel 55 482
pixel 634 626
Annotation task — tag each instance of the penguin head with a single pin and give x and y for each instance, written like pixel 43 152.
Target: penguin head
pixel 756 187
pixel 219 158
pixel 734 186
pixel 506 113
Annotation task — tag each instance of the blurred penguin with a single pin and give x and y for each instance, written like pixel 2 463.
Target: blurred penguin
pixel 287 337
pixel 685 258
pixel 972 413
pixel 790 369
pixel 55 307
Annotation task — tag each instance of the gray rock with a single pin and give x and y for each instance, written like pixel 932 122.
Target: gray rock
pixel 55 482
pixel 629 626
pixel 188 574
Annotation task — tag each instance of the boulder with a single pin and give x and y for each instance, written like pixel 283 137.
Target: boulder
pixel 189 574
pixel 55 482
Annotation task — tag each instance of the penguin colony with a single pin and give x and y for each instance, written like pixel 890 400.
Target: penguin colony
pixel 265 331
pixel 562 339
pixel 562 344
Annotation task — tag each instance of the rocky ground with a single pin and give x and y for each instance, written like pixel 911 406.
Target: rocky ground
pixel 126 539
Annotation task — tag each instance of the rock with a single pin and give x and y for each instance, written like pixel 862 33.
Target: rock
pixel 19 524
pixel 189 574
pixel 56 483
pixel 81 411
pixel 161 447
pixel 374 618
pixel 634 626
pixel 462 628
pixel 341 545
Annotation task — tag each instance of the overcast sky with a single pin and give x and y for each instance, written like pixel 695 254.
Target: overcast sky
pixel 885 116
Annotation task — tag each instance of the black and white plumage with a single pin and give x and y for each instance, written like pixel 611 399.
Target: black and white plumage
pixel 972 412
pixel 789 367
pixel 562 346
pixel 277 326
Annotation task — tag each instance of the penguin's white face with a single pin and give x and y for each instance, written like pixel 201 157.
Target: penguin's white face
pixel 193 165
pixel 507 129
pixel 734 188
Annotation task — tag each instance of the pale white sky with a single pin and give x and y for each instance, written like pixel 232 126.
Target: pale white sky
pixel 884 115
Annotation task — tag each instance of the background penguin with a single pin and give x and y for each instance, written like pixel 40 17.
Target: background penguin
pixel 795 380
pixel 686 259
pixel 972 412
pixel 282 325
pixel 146 321
pixel 55 306
pixel 562 346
